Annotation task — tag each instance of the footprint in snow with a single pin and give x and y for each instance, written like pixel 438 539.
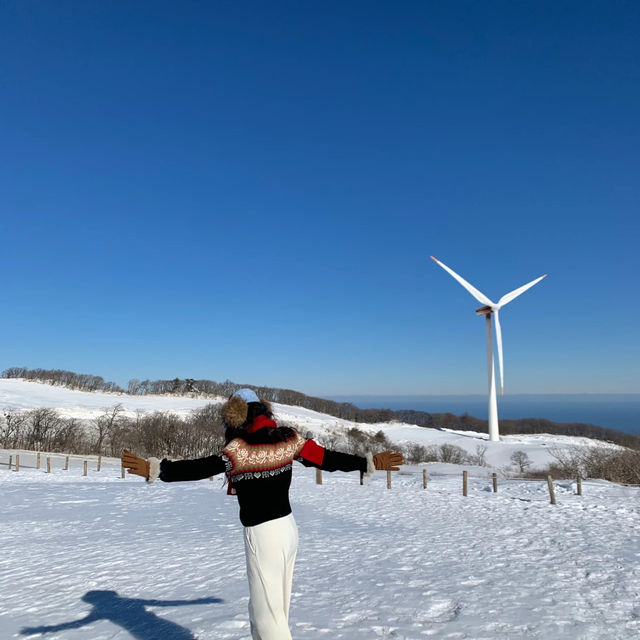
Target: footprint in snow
pixel 441 611
pixel 471 581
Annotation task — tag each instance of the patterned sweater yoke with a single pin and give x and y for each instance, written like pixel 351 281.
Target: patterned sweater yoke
pixel 247 460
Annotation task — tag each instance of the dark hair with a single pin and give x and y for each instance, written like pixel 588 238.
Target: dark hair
pixel 255 409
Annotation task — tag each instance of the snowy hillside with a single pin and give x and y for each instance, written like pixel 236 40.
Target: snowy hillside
pixel 18 394
pixel 111 559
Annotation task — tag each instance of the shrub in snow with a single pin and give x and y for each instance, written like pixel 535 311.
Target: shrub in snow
pixel 521 460
pixel 452 454
pixel 355 441
pixel 615 465
pixel 417 453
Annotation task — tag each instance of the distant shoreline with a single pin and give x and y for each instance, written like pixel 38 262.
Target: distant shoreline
pixel 619 411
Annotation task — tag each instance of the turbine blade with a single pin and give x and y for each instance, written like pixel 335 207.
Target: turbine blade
pixel 508 297
pixel 499 341
pixel 478 295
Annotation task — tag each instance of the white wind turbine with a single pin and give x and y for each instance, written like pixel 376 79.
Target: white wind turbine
pixel 490 308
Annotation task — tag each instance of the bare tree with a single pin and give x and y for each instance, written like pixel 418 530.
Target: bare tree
pixel 42 428
pixel 105 425
pixel 480 457
pixel 70 437
pixel 521 460
pixel 133 387
pixel 12 429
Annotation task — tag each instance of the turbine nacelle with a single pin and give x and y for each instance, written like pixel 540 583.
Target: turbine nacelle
pixel 483 311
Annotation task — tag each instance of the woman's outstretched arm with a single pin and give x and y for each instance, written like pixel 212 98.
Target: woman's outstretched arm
pixel 173 471
pixel 314 455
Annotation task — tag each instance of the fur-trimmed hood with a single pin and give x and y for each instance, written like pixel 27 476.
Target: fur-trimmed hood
pixel 235 411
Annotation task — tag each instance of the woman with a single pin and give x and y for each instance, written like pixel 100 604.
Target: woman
pixel 257 459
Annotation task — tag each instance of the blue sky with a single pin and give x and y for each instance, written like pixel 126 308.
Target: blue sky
pixel 252 191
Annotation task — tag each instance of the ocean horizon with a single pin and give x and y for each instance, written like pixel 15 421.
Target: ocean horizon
pixel 619 411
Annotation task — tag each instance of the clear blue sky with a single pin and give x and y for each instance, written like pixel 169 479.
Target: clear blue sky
pixel 252 191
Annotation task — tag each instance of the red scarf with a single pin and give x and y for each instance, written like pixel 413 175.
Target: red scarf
pixel 260 422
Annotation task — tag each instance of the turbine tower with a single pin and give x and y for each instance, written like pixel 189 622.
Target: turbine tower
pixel 490 308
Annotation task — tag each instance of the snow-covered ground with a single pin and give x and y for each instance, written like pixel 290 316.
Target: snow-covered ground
pixel 111 559
pixel 18 394
pixel 107 558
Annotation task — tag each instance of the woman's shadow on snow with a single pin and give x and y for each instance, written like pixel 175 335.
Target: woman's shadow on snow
pixel 130 614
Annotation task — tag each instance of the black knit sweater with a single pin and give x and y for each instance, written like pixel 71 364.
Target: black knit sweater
pixel 259 470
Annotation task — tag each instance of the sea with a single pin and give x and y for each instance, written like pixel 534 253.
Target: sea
pixel 619 411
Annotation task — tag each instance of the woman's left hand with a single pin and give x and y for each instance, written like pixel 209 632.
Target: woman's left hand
pixel 388 461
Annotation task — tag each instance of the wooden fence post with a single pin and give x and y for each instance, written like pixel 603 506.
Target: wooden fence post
pixel 465 476
pixel 388 479
pixel 10 462
pixel 495 482
pixel 18 462
pixel 552 494
pixel 48 464
pixel 85 468
pixel 66 464
pixel 38 460
pixel 122 471
pixel 318 476
pixel 579 486
pixel 99 463
pixel 424 478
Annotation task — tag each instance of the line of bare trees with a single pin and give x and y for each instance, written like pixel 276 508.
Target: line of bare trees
pixel 615 465
pixel 160 434
pixel 62 378
pixel 416 453
pixel 152 434
pixel 39 429
pixel 343 410
pixel 164 434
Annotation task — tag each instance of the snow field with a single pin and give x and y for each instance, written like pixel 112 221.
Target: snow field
pixel 154 561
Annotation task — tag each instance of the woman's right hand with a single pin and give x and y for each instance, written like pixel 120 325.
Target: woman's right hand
pixel 135 465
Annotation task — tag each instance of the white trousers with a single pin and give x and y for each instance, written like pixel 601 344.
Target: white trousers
pixel 270 549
